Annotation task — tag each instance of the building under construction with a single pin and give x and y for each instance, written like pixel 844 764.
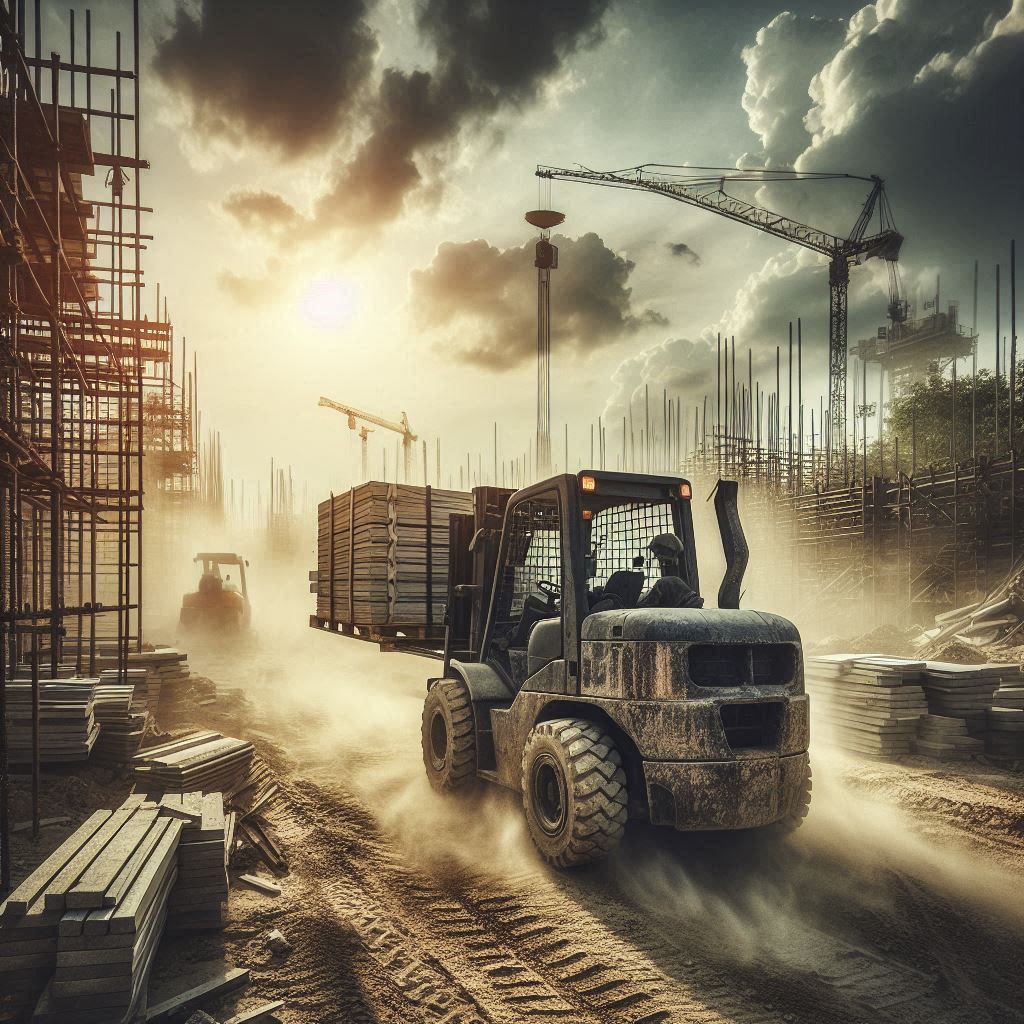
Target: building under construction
pixel 92 415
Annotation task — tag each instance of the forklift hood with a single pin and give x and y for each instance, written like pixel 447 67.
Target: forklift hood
pixel 690 625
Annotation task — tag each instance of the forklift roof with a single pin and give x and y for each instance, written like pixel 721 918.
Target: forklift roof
pixel 220 557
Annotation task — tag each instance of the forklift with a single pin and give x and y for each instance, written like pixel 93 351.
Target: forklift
pixel 582 671
pixel 218 605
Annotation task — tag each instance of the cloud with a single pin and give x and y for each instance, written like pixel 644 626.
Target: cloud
pixel 777 97
pixel 679 365
pixel 256 71
pixel 254 290
pixel 482 299
pixel 259 210
pixel 927 94
pixel 682 251
pixel 490 56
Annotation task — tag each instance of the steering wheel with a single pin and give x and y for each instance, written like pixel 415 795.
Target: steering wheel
pixel 552 591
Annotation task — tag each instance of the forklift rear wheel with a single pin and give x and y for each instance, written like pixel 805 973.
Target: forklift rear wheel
pixel 449 742
pixel 796 817
pixel 574 791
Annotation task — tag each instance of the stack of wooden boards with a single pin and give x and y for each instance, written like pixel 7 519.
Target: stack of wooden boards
pixel 68 729
pixel 122 724
pixel 166 672
pixel 962 691
pixel 870 704
pixel 377 546
pixel 198 898
pixel 946 738
pixel 894 706
pixel 86 923
pixel 201 761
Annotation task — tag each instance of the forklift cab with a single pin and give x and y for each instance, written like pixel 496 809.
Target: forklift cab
pixel 571 546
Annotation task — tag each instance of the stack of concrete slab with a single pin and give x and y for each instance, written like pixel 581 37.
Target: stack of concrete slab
pixel 95 911
pixel 962 691
pixel 869 704
pixel 1011 691
pixel 201 892
pixel 204 761
pixel 166 670
pixel 946 739
pixel 1004 736
pixel 68 729
pixel 122 725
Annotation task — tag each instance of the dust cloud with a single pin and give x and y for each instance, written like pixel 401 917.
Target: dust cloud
pixel 349 718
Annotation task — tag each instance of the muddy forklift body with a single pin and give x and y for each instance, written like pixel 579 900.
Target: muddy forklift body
pixel 220 604
pixel 582 670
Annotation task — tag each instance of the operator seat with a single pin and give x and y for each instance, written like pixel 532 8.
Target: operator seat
pixel 625 584
pixel 545 644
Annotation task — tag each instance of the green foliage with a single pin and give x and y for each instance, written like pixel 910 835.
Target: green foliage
pixel 923 421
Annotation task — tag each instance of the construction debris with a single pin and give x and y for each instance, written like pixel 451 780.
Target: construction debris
pixel 205 761
pixel 261 1013
pixel 222 981
pixel 261 884
pixel 277 943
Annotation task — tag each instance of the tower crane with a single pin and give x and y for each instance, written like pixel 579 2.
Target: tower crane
pixel 402 428
pixel 705 187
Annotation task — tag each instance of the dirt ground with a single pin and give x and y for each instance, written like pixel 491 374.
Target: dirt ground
pixel 900 899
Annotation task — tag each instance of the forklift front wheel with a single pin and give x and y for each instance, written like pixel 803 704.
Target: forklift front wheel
pixel 574 791
pixel 449 741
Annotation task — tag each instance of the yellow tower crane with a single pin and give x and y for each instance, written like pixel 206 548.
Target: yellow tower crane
pixel 401 428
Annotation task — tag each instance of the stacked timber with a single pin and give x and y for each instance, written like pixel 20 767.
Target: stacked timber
pixel 204 761
pixel 382 555
pixel 1010 693
pixel 122 725
pixel 166 672
pixel 133 677
pixel 962 691
pixel 870 704
pixel 89 919
pixel 1004 735
pixel 946 739
pixel 68 729
pixel 199 895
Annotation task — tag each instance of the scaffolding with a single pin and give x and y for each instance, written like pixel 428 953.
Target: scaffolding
pixel 86 376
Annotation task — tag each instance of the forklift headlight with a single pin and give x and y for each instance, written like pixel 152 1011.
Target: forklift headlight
pixel 685 491
pixel 588 483
pixel 588 514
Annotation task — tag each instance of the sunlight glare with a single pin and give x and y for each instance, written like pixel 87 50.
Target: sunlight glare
pixel 328 302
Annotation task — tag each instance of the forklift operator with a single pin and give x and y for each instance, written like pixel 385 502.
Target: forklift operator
pixel 671 591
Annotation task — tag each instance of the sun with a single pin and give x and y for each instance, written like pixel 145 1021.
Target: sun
pixel 328 302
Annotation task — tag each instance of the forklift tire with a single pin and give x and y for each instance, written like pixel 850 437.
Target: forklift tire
pixel 574 791
pixel 795 818
pixel 449 737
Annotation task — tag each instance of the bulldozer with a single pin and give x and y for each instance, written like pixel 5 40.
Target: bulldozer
pixel 218 605
pixel 582 670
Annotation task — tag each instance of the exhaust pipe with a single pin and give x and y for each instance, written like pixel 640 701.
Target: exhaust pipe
pixel 734 543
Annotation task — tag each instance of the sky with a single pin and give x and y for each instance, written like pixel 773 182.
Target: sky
pixel 339 190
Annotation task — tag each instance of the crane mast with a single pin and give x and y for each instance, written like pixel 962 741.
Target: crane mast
pixel 401 428
pixel 705 188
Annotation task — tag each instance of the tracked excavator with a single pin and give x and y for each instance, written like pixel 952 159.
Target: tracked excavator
pixel 582 669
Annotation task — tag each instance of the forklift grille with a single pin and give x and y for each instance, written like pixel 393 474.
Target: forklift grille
pixel 622 532
pixel 535 551
pixel 752 725
pixel 742 664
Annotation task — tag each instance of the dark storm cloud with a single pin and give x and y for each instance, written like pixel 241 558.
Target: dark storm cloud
pixel 482 300
pixel 260 210
pixel 681 250
pixel 490 55
pixel 924 92
pixel 282 75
